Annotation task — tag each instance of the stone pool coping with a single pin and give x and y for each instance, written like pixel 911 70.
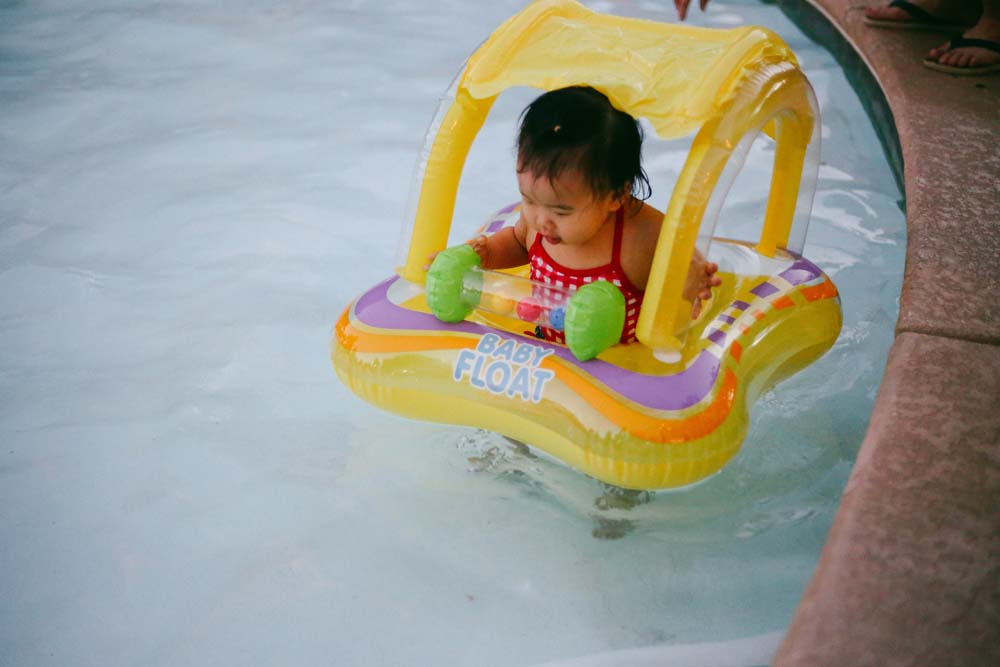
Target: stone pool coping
pixel 910 573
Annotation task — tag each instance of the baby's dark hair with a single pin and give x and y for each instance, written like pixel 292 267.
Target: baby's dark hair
pixel 578 128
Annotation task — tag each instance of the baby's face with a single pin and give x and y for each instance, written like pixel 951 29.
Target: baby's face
pixel 565 209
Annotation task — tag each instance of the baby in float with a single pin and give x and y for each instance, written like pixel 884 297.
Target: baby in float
pixel 583 217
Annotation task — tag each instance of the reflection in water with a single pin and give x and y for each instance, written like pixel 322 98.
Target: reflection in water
pixel 774 484
pixel 617 498
pixel 507 458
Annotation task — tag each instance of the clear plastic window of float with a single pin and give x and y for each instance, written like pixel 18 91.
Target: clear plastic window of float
pixel 741 213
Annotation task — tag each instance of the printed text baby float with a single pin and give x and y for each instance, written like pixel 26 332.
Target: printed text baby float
pixel 504 367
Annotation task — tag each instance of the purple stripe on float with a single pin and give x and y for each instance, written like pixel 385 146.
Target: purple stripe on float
pixel 740 305
pixel 500 218
pixel 717 337
pixel 802 271
pixel 674 392
pixel 764 290
pixel 726 318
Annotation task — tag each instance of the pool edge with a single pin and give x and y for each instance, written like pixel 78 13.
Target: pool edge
pixel 909 571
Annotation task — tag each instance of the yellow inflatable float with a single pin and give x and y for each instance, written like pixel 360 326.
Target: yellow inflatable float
pixel 671 409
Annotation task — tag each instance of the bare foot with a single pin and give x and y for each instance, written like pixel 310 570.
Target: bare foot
pixel 970 57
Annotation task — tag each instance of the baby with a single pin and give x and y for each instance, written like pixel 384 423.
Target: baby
pixel 583 217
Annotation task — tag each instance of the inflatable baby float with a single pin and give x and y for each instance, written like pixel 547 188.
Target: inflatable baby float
pixel 455 344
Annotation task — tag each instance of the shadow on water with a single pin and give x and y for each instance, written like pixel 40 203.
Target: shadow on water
pixel 517 463
pixel 788 473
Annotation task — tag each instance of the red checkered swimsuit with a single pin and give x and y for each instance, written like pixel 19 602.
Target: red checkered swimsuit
pixel 545 270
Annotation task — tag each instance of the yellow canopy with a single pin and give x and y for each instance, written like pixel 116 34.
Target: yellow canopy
pixel 675 76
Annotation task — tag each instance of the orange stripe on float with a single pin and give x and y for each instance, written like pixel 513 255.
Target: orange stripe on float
pixel 736 350
pixel 783 302
pixel 825 290
pixel 627 418
pixel 350 338
pixel 650 428
pixel 345 333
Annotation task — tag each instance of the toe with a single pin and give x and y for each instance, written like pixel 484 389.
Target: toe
pixel 977 60
pixel 883 13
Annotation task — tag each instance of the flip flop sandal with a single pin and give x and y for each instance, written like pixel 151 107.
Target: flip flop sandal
pixel 921 20
pixel 972 70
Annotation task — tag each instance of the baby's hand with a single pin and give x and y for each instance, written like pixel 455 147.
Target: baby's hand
pixel 430 260
pixel 700 281
pixel 481 245
pixel 478 244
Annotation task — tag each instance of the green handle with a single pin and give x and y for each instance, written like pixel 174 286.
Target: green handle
pixel 451 293
pixel 595 316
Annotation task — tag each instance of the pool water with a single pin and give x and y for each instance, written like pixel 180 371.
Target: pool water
pixel 191 194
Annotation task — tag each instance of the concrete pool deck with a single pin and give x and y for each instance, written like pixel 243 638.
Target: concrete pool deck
pixel 910 573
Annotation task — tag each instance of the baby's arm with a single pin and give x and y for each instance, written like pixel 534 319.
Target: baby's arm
pixel 503 250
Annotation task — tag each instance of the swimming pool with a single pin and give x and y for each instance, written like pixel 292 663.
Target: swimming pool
pixel 191 194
